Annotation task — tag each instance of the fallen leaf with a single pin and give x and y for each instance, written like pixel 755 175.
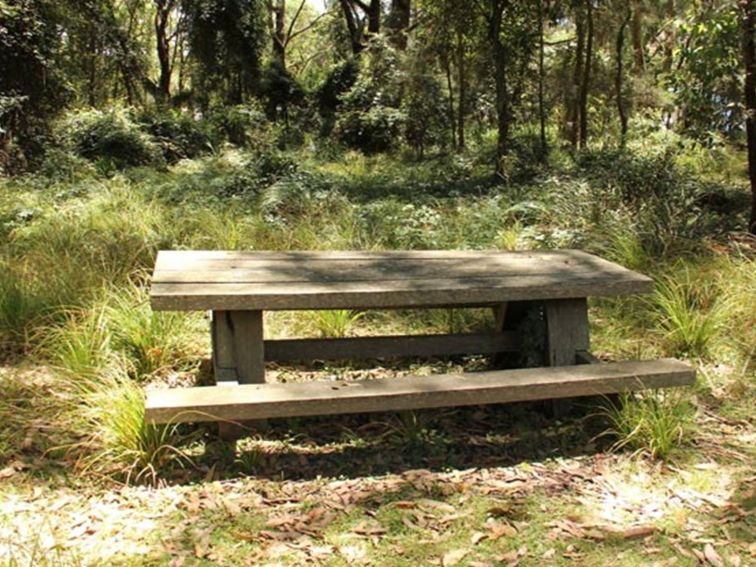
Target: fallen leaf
pixel 7 472
pixel 712 556
pixel 453 557
pixel 501 529
pixel 477 537
pixel 549 553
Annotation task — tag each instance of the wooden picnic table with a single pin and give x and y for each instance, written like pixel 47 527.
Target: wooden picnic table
pixel 238 287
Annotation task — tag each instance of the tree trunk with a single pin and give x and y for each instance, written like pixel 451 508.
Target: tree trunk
pixel 503 107
pixel 452 124
pixel 620 45
pixel 353 26
pixel 586 82
pixel 637 36
pixel 398 23
pixel 573 120
pixel 669 42
pixel 374 17
pixel 278 9
pixel 462 79
pixel 541 107
pixel 748 17
pixel 162 14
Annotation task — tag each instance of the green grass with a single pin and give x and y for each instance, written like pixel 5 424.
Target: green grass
pixel 655 423
pixel 689 311
pixel 118 442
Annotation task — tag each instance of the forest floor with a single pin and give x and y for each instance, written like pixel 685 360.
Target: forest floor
pixel 83 481
pixel 504 485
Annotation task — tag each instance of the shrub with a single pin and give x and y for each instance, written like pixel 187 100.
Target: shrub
pixel 178 134
pixel 243 124
pixel 111 137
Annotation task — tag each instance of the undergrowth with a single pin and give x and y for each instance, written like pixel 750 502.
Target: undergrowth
pixel 77 248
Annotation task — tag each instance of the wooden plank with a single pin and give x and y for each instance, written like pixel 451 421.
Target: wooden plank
pixel 213 403
pixel 567 330
pixel 255 270
pixel 382 347
pixel 398 293
pixel 181 259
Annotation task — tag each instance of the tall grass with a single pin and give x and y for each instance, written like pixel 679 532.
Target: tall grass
pixel 656 423
pixel 689 312
pixel 118 441
pixel 334 323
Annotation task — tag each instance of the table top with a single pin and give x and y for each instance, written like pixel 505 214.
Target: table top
pixel 229 280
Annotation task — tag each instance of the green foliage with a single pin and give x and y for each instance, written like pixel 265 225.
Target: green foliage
pixel 371 118
pixel 113 138
pixel 243 124
pixel 118 441
pixel 226 38
pixel 33 88
pixel 690 312
pixel 334 323
pixel 656 423
pixel 178 134
pixel 150 341
pixel 708 87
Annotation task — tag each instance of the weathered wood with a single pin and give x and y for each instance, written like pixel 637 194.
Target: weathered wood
pixel 567 330
pixel 376 295
pixel 213 403
pixel 238 351
pixel 382 347
pixel 312 280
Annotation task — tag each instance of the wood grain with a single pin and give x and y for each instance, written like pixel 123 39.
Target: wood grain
pixel 218 280
pixel 243 402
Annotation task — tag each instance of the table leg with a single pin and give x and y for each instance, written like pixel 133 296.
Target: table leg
pixel 238 348
pixel 567 332
pixel 238 355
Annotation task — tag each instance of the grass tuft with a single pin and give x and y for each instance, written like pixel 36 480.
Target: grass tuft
pixel 120 443
pixel 334 323
pixel 689 312
pixel 654 422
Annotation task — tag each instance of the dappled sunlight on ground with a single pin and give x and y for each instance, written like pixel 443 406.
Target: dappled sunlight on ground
pixel 531 509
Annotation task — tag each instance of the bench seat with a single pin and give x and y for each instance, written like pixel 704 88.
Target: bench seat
pixel 261 401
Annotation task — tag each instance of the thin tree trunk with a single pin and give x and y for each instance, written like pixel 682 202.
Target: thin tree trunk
pixel 574 111
pixel 355 31
pixel 374 17
pixel 618 79
pixel 452 124
pixel 541 107
pixel 748 17
pixel 162 14
pixel 278 9
pixel 669 42
pixel 586 83
pixel 398 22
pixel 92 86
pixel 637 36
pixel 462 80
pixel 503 106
